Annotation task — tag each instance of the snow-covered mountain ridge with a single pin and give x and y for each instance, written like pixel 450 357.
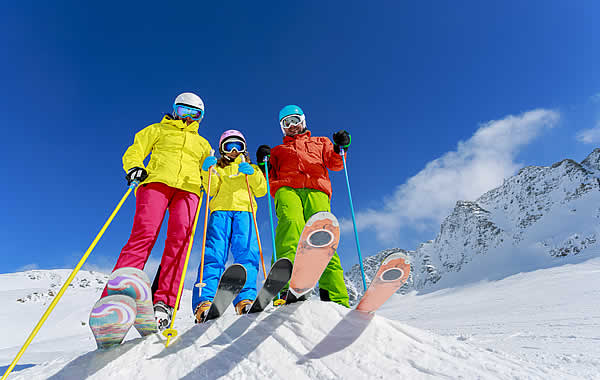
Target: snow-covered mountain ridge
pixel 537 215
pixel 45 284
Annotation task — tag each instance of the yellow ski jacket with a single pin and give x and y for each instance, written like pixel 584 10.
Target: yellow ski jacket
pixel 229 190
pixel 177 154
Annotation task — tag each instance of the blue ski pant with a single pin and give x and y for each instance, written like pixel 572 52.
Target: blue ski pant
pixel 228 230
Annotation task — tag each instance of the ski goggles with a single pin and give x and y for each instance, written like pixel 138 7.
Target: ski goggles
pixel 187 111
pixel 291 120
pixel 231 145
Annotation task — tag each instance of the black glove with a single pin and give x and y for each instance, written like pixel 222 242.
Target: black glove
pixel 262 152
pixel 341 139
pixel 136 174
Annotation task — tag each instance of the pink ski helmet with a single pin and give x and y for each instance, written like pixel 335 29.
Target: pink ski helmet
pixel 229 136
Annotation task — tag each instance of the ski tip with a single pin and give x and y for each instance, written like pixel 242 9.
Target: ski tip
pixel 396 256
pixel 323 215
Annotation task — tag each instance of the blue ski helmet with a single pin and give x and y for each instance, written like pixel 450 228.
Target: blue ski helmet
pixel 290 110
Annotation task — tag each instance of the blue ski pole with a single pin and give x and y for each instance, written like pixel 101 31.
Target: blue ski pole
pixel 362 269
pixel 266 163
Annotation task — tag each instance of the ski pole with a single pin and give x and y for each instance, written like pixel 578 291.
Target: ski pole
pixel 255 225
pixel 171 332
pixel 201 284
pixel 67 282
pixel 266 163
pixel 362 269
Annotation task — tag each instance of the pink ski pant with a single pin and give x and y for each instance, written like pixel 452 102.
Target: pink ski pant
pixel 152 202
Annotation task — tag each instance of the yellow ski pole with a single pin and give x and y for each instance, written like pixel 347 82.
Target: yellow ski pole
pixel 200 283
pixel 66 284
pixel 171 332
pixel 255 225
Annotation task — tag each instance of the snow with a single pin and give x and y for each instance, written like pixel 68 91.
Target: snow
pixel 549 316
pixel 536 325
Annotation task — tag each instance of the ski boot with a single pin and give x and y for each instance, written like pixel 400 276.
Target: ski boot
pixel 202 310
pixel 163 314
pixel 243 306
pixel 324 295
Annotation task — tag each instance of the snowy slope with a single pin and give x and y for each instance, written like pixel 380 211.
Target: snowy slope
pixel 549 316
pixel 538 325
pixel 304 341
pixel 315 339
pixel 26 295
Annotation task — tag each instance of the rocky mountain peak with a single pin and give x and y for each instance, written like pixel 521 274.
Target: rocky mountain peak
pixel 555 209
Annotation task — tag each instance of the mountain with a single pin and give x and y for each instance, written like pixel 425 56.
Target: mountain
pixel 536 216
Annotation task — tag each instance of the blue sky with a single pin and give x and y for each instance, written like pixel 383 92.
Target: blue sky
pixel 443 100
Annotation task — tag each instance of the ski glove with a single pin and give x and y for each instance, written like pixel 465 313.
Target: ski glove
pixel 136 174
pixel 245 168
pixel 208 162
pixel 262 152
pixel 341 139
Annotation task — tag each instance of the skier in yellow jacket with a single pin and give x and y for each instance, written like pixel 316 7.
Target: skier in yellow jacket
pixel 230 225
pixel 171 181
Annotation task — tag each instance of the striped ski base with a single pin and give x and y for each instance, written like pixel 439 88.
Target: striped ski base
pixel 111 318
pixel 135 284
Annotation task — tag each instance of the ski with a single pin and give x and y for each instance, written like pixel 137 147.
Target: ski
pixel 135 283
pixel 316 247
pixel 278 277
pixel 231 283
pixel 391 275
pixel 111 318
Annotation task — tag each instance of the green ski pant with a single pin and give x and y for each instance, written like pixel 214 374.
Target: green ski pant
pixel 294 207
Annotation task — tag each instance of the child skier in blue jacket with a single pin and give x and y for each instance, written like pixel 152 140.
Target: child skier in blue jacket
pixel 230 225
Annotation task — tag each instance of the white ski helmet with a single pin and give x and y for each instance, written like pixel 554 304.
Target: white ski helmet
pixel 189 99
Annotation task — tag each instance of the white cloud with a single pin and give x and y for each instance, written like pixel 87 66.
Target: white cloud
pixel 595 98
pixel 28 267
pixel 476 166
pixel 590 136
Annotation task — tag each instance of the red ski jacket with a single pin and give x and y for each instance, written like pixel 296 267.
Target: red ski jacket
pixel 302 162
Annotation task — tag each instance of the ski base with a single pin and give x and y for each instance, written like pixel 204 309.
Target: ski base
pixel 135 283
pixel 111 318
pixel 391 275
pixel 231 283
pixel 316 246
pixel 278 277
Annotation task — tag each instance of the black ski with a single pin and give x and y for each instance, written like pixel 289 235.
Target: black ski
pixel 231 283
pixel 278 277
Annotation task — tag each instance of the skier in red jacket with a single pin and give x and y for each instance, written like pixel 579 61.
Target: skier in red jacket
pixel 300 185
